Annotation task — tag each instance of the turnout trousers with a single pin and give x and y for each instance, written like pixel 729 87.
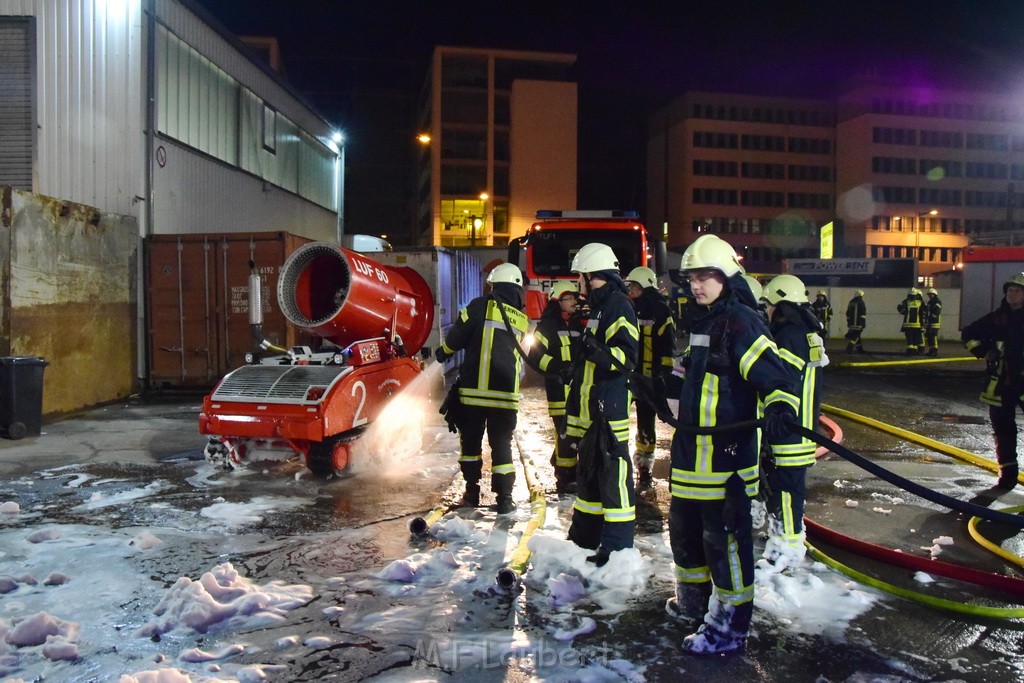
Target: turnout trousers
pixel 498 424
pixel 705 551
pixel 1004 429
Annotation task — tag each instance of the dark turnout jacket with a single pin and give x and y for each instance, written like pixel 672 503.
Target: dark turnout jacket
pixel 731 363
pixel 552 352
pixel 492 367
pixel 999 335
pixel 604 375
pixel 795 330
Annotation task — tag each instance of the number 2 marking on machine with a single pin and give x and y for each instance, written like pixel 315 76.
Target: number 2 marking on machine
pixel 358 419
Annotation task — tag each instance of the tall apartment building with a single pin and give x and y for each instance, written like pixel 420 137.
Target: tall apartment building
pixel 902 172
pixel 499 143
pixel 759 171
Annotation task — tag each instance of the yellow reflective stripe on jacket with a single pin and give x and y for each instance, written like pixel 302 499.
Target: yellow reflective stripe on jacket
pixel 621 429
pixel 784 396
pixel 708 417
pixel 624 324
pixel 710 485
pixel 760 345
pixel 791 358
pixel 588 507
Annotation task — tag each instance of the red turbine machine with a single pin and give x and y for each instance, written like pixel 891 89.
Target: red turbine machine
pixel 373 318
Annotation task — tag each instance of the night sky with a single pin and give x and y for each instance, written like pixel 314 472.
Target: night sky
pixel 362 63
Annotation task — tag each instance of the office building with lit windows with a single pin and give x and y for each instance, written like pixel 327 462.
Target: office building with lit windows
pixel 901 172
pixel 497 143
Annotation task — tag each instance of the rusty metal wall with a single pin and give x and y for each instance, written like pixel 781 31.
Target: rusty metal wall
pixel 69 283
pixel 198 303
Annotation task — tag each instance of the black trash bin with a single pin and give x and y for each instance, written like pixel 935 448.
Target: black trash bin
pixel 21 396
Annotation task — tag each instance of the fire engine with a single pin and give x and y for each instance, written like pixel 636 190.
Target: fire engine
pixel 545 252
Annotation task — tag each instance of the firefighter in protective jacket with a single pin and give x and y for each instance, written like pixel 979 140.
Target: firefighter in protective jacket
pixel 856 321
pixel 796 331
pixel 731 363
pixel 932 321
pixel 822 309
pixel 911 309
pixel 998 337
pixel 558 329
pixel 657 344
pixel 597 410
pixel 488 384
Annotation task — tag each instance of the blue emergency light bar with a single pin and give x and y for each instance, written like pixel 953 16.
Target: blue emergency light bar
pixel 550 213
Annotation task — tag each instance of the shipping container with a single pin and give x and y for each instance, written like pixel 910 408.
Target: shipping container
pixel 455 278
pixel 197 299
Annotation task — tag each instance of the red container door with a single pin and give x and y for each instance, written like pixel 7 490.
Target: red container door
pixel 181 299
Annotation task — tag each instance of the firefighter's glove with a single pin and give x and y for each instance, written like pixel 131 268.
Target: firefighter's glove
pixel 591 346
pixel 565 374
pixel 992 361
pixel 440 355
pixel 777 416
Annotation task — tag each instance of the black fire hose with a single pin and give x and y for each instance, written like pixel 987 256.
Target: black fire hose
pixel 972 509
pixel 942 499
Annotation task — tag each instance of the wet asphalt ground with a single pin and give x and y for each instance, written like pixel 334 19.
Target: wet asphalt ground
pixel 155 437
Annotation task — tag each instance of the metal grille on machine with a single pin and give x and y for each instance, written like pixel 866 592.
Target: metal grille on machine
pixel 276 383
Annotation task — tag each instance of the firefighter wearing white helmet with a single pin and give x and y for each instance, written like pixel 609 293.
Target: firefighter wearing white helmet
pixel 758 291
pixel 488 384
pixel 822 308
pixel 558 329
pixel 911 308
pixel 856 321
pixel 998 337
pixel 604 514
pixel 932 321
pixel 732 364
pixel 505 272
pixel 795 329
pixel 657 346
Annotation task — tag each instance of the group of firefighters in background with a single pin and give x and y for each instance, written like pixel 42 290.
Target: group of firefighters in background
pixel 605 341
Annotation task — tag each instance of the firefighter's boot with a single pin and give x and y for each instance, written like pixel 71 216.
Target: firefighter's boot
pixel 690 601
pixel 1007 476
pixel 505 504
pixel 644 478
pixel 471 498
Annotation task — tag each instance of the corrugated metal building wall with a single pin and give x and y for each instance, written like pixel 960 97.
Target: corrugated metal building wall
pixel 89 108
pixel 235 149
pixel 232 148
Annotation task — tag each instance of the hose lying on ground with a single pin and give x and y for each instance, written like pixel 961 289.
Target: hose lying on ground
pixel 942 499
pixel 931 601
pixel 1007 584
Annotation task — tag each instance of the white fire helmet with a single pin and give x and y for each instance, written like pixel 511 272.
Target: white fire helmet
pixel 506 272
pixel 643 276
pixel 563 287
pixel 593 257
pixel 785 288
pixel 711 251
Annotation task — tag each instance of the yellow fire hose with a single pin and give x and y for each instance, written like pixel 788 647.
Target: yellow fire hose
pixel 915 361
pixel 508 576
pixel 972 528
pixel 913 437
pixel 929 600
pixel 948 605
